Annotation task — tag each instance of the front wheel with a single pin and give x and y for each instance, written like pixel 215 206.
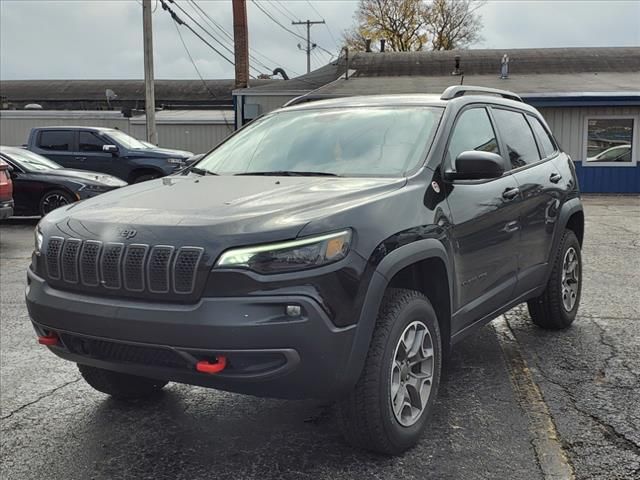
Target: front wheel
pixel 54 199
pixel 388 409
pixel 120 385
pixel 558 305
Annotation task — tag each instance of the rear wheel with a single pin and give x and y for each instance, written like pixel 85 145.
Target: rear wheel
pixel 388 409
pixel 54 199
pixel 120 385
pixel 558 305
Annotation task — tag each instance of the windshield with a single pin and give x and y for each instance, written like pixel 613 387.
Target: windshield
pixel 30 161
pixel 386 141
pixel 126 141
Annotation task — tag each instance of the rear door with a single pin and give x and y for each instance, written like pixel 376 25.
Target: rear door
pixel 59 146
pixel 537 179
pixel 90 151
pixel 485 229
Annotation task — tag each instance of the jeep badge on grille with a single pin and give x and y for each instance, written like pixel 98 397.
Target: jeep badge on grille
pixel 127 233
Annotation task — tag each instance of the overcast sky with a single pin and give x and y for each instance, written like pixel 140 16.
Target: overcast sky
pixel 43 39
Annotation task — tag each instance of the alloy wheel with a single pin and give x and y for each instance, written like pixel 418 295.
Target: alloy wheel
pixel 570 279
pixel 412 373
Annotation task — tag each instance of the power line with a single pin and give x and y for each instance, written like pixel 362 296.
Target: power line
pixel 277 22
pixel 326 24
pixel 175 24
pixel 224 116
pixel 178 20
pixel 212 23
pixel 206 31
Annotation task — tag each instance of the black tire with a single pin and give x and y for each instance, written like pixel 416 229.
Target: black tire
pixel 366 416
pixel 54 199
pixel 145 177
pixel 120 385
pixel 548 311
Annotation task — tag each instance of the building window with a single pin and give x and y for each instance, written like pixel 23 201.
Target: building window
pixel 610 141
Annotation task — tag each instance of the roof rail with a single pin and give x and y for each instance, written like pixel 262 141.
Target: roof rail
pixel 459 90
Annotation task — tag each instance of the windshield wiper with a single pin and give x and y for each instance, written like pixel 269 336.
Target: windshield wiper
pixel 199 171
pixel 291 173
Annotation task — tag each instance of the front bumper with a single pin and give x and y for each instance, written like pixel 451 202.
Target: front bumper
pixel 270 353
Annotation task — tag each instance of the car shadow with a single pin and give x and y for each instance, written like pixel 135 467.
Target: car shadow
pixel 192 432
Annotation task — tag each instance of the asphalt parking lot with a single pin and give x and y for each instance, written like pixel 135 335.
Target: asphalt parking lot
pixel 587 378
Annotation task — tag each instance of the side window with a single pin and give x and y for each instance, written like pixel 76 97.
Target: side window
pixel 89 142
pixel 517 136
pixel 473 131
pixel 59 140
pixel 546 144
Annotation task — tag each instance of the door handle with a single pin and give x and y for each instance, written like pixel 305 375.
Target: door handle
pixel 555 178
pixel 81 159
pixel 510 193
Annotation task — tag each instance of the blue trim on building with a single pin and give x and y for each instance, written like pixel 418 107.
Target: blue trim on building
pixel 608 179
pixel 582 100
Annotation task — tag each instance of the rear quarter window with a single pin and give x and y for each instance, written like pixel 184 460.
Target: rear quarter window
pixel 546 144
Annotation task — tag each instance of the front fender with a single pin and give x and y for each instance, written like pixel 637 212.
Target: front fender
pixel 390 265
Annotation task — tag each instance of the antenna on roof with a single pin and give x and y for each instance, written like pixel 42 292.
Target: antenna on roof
pixel 456 69
pixel 504 67
pixel 111 95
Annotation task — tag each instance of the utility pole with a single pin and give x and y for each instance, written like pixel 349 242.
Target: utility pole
pixel 310 46
pixel 149 92
pixel 241 43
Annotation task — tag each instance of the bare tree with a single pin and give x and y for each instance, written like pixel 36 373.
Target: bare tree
pixel 412 25
pixel 400 22
pixel 453 24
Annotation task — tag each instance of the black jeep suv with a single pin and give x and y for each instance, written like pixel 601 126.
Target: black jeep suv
pixel 333 249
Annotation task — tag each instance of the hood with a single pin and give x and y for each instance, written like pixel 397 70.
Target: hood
pixel 163 152
pixel 217 208
pixel 93 177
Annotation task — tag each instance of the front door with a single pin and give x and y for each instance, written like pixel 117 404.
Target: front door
pixel 485 231
pixel 93 157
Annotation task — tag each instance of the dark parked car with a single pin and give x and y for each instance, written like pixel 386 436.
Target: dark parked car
pixel 6 191
pixel 41 185
pixel 106 150
pixel 333 250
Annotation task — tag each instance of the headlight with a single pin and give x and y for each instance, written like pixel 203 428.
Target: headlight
pixel 94 188
pixel 175 161
pixel 287 256
pixel 38 239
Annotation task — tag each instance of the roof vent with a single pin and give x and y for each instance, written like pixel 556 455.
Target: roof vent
pixel 504 67
pixel 382 42
pixel 456 70
pixel 367 45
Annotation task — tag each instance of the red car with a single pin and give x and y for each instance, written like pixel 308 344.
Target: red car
pixel 6 191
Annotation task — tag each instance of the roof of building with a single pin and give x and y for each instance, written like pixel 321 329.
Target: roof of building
pixel 76 93
pixel 544 70
pixel 190 117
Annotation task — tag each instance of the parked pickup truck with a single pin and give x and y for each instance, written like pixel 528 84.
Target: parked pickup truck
pixel 105 150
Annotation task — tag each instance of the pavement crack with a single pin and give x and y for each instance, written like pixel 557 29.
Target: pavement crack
pixel 41 397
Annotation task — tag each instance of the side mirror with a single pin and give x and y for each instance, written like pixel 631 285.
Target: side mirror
pixel 110 148
pixel 477 165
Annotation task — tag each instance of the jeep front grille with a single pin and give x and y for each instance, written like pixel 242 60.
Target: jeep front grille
pixel 133 268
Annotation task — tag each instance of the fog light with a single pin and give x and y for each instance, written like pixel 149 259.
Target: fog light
pixel 294 310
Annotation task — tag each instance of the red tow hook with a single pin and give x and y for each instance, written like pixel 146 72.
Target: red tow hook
pixel 205 366
pixel 48 340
